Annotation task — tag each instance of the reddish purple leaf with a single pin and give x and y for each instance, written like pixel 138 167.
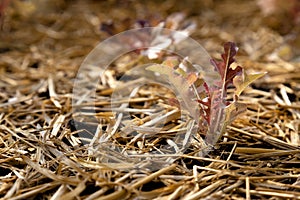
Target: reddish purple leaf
pixel 231 73
pixel 223 67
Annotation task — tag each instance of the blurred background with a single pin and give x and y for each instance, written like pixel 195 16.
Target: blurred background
pixel 43 37
pixel 262 28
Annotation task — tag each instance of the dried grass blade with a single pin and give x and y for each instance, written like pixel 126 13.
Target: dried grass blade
pixel 50 174
pixel 205 190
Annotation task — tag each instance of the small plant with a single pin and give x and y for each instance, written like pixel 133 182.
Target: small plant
pixel 199 85
pixel 216 112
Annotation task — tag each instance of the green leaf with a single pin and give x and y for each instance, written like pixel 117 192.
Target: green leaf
pixel 243 81
pixel 181 86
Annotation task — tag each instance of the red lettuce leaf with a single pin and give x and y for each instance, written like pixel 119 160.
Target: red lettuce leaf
pixel 223 67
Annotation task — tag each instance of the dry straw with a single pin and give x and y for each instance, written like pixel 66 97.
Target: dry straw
pixel 42 158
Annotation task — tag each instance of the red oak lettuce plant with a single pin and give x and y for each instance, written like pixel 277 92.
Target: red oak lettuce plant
pixel 216 112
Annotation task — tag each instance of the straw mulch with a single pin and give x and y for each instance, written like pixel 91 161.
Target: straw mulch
pixel 43 44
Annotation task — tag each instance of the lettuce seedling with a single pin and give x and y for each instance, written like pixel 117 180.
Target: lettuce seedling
pixel 215 111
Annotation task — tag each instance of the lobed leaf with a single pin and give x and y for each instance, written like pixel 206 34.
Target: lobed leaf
pixel 243 81
pixel 181 86
pixel 223 67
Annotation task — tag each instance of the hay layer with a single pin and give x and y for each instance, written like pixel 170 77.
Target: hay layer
pixel 42 158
